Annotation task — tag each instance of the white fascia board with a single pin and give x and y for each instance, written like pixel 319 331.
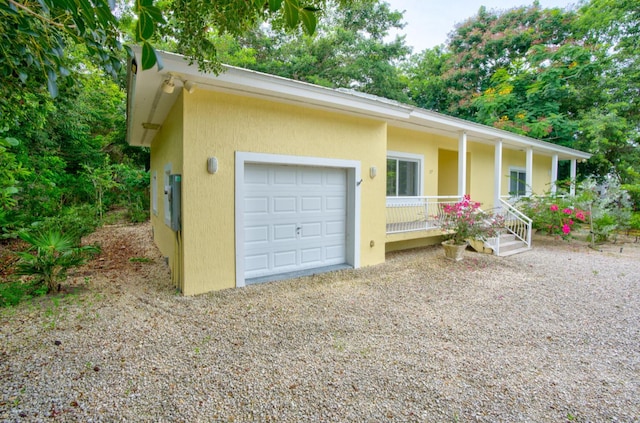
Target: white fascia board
pixel 456 124
pixel 257 84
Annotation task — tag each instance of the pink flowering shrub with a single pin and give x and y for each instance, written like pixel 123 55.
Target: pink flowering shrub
pixel 465 220
pixel 554 216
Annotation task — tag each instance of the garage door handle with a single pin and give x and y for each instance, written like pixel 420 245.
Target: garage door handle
pixel 298 230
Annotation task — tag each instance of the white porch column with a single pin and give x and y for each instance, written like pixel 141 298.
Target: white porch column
pixel 529 172
pixel 572 189
pixel 462 164
pixel 554 173
pixel 497 174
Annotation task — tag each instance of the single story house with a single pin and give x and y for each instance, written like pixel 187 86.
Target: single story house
pixel 256 177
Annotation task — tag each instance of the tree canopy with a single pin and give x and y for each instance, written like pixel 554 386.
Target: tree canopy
pixel 566 76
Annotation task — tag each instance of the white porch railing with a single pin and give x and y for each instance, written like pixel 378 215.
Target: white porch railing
pixel 516 223
pixel 407 214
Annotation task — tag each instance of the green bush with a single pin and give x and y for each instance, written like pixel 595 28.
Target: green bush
pixel 75 221
pixel 553 215
pixel 603 226
pixel 50 256
pixel 13 292
pixel 634 222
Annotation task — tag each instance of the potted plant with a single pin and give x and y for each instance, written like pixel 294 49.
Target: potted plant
pixel 463 221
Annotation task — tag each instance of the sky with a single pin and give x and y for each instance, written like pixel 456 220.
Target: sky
pixel 429 21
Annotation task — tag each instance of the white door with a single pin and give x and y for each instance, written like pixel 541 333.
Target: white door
pixel 294 218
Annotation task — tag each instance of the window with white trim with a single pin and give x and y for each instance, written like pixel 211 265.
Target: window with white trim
pixel 404 174
pixel 517 182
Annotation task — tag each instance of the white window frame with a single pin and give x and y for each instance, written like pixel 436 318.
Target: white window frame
pixel 409 157
pixel 520 170
pixel 154 192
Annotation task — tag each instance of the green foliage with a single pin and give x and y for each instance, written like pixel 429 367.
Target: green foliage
pixel 350 50
pixel 610 207
pixel 10 171
pixel 554 215
pixel 50 256
pixel 570 77
pixel 35 34
pixel 76 221
pixel 634 222
pixel 13 292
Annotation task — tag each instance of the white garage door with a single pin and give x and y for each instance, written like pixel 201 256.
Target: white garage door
pixel 294 218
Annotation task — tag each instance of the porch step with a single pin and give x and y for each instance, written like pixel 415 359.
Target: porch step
pixel 514 251
pixel 509 245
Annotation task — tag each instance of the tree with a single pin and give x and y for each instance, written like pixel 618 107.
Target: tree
pixel 427 86
pixel 349 50
pixel 610 128
pixel 35 33
pixel 566 76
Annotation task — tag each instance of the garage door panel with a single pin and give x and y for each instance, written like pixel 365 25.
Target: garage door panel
pixel 311 204
pixel 285 175
pixel 284 232
pixel 254 205
pixel 311 177
pixel 336 203
pixel 311 256
pixel 304 210
pixel 256 234
pixel 335 227
pixel 256 176
pixel 335 253
pixel 284 204
pixel 311 230
pixel 336 179
pixel 256 262
pixel 284 259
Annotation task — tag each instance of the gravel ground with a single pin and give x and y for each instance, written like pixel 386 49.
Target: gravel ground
pixel 550 335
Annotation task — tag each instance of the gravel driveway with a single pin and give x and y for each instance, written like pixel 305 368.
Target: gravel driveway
pixel 551 335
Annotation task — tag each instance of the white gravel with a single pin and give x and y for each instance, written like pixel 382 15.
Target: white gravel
pixel 551 335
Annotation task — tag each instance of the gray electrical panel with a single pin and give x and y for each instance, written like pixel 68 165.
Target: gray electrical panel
pixel 175 195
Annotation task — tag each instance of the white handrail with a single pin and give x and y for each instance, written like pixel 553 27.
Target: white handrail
pixel 516 223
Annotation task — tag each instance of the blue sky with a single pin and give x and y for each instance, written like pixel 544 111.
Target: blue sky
pixel 429 21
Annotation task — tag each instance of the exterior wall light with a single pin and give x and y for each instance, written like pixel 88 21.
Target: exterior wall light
pixel 168 85
pixel 212 165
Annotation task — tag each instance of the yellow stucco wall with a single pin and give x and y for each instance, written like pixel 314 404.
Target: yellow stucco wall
pixel 480 173
pixel 448 172
pixel 541 174
pixel 518 159
pixel 166 148
pixel 440 158
pixel 218 125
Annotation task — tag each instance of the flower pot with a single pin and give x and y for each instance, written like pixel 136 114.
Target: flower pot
pixel 453 251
